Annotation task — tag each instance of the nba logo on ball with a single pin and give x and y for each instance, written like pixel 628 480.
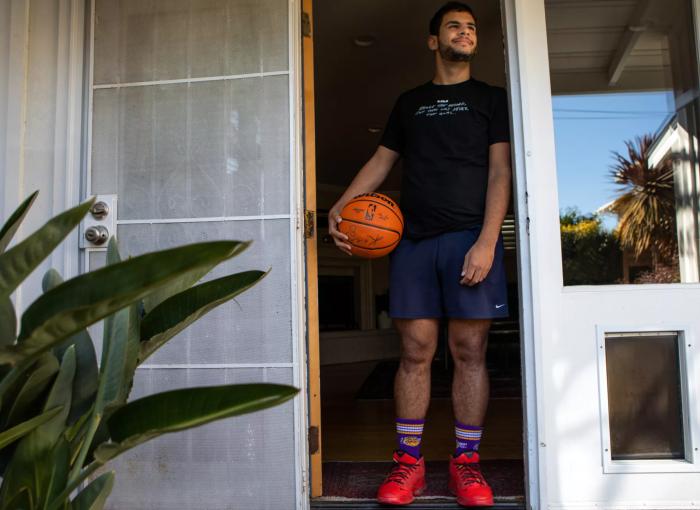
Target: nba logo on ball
pixel 373 223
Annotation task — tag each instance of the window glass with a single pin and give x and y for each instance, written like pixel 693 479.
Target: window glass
pixel 624 81
pixel 644 396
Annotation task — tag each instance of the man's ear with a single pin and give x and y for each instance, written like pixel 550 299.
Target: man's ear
pixel 433 42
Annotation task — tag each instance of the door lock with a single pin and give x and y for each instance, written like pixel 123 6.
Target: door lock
pixel 99 210
pixel 97 234
pixel 97 227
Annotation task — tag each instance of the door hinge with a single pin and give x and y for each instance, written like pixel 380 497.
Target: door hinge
pixel 305 24
pixel 313 439
pixel 309 224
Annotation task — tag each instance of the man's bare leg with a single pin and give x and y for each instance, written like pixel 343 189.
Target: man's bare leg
pixel 412 394
pixel 470 395
pixel 470 386
pixel 412 383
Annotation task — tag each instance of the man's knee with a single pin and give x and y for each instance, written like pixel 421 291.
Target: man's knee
pixel 468 345
pixel 417 353
pixel 418 345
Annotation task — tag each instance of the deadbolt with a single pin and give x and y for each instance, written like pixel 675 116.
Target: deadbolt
pixel 97 235
pixel 99 210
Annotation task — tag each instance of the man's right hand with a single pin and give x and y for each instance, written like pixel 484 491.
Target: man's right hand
pixel 367 179
pixel 340 239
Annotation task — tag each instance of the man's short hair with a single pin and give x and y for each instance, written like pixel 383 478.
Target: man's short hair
pixel 436 20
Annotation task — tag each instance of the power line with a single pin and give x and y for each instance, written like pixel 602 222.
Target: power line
pixel 602 118
pixel 631 112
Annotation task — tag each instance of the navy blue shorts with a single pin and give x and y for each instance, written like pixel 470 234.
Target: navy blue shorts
pixel 425 275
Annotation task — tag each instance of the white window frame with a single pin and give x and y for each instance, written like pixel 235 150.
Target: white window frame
pixel 687 373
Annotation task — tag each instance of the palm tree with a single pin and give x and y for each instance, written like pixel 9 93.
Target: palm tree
pixel 646 203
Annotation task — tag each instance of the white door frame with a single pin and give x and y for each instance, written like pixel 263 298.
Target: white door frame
pixel 514 14
pixel 526 54
pixel 29 27
pixel 298 271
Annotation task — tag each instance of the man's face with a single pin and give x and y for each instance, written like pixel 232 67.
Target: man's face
pixel 456 41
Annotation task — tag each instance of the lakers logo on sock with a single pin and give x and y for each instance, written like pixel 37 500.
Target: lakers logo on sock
pixel 410 441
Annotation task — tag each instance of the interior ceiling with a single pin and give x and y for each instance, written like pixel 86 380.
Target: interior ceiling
pixel 594 46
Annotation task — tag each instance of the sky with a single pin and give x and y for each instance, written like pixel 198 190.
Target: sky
pixel 588 128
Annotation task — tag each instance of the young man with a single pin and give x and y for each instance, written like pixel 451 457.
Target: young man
pixel 453 136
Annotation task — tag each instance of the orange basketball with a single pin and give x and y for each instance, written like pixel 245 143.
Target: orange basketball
pixel 373 223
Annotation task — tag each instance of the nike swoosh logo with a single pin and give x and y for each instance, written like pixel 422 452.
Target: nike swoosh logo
pixel 500 306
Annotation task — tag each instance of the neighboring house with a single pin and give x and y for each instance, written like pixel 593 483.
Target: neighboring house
pixel 194 119
pixel 672 140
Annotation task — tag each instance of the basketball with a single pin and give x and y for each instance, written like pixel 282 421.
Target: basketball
pixel 373 223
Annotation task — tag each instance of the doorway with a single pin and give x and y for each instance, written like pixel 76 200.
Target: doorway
pixel 365 54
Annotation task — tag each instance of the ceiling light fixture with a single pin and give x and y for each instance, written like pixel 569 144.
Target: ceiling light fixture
pixel 364 41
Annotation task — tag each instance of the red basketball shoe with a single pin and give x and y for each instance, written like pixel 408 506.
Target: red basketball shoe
pixel 467 482
pixel 405 480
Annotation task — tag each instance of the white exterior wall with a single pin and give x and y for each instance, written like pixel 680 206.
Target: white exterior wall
pixel 41 65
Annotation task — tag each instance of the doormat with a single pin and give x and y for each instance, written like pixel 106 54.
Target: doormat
pixel 380 382
pixel 360 480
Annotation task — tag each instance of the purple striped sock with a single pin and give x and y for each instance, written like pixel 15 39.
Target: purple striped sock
pixel 408 435
pixel 468 438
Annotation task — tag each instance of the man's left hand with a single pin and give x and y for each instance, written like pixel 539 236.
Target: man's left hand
pixel 477 263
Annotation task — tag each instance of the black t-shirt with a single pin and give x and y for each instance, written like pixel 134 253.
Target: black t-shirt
pixel 443 133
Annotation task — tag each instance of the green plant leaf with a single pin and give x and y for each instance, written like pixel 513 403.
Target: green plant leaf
pixel 40 482
pixel 26 398
pixel 94 496
pixel 179 311
pixel 59 463
pixel 113 256
pixel 117 353
pixel 85 380
pixel 8 321
pixel 34 387
pixel 156 298
pixel 60 395
pixel 12 224
pixel 85 299
pixel 39 456
pixel 75 433
pixel 10 435
pixel 51 279
pixel 152 416
pixel 133 345
pixel 19 261
pixel 111 387
pixel 177 286
pixel 22 500
pixel 121 342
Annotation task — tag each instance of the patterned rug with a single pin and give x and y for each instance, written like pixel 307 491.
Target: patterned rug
pixel 359 480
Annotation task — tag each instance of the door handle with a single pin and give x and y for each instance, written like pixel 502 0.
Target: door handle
pixel 97 234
